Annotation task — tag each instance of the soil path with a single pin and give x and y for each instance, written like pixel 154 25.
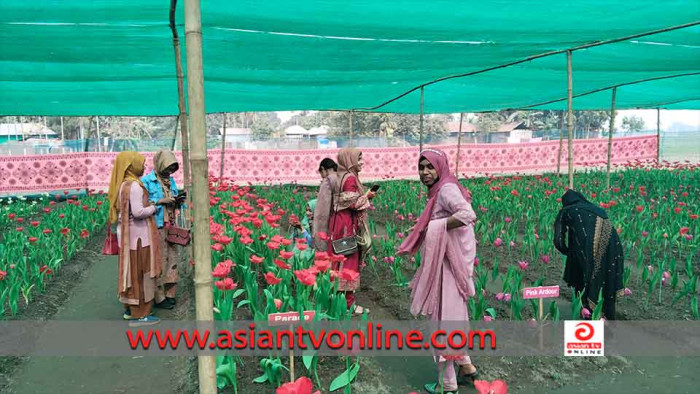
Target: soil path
pixel 93 298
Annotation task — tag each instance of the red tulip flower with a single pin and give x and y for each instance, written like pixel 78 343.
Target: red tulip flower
pixel 33 239
pixel 282 264
pixel 223 269
pixel 322 265
pixel 306 277
pixel 217 247
pixel 271 279
pixel 256 259
pixel 84 233
pixel 286 255
pixel 683 231
pixel 47 231
pixel 495 387
pixel 273 245
pixel 302 385
pixel 226 284
pixel 278 303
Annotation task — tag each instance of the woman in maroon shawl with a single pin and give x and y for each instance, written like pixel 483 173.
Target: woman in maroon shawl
pixel 443 282
pixel 349 217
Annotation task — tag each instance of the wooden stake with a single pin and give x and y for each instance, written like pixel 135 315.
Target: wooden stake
pixel 223 151
pixel 421 119
pixel 541 315
pixel 459 143
pixel 658 135
pixel 610 137
pixel 571 119
pixel 200 187
pixel 291 351
pixel 182 110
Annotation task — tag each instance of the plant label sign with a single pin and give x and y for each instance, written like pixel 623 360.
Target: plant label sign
pixel 287 318
pixel 541 292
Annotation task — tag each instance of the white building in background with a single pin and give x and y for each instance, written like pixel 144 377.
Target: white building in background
pixel 300 132
pixel 25 132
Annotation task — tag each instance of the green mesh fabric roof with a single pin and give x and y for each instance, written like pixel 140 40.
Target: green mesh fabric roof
pixel 115 57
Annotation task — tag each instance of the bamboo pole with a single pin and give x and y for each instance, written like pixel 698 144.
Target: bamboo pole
pixel 561 144
pixel 658 135
pixel 182 110
pixel 200 188
pixel 570 120
pixel 610 137
pixel 459 143
pixel 351 130
pixel 99 136
pixel 421 119
pixel 63 135
pixel 223 151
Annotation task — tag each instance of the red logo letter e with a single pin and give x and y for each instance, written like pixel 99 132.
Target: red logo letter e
pixel 584 333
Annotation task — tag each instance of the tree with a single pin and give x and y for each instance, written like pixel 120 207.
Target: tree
pixel 265 125
pixel 632 123
pixel 489 121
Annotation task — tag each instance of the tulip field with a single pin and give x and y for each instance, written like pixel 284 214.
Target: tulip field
pixel 259 269
pixel 654 208
pixel 38 237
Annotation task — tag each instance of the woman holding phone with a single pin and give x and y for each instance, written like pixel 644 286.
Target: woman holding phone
pixel 163 192
pixel 348 221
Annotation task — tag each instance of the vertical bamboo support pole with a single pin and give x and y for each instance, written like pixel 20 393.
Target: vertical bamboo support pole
pixel 658 135
pixel 182 116
pixel 570 121
pixel 561 143
pixel 223 152
pixel 610 137
pixel 421 119
pixel 459 143
pixel 99 136
pixel 200 189
pixel 351 129
pixel 63 135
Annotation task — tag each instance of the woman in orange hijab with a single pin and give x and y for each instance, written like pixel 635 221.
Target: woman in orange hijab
pixel 137 235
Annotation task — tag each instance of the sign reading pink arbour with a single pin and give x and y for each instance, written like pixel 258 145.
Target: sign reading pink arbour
pixel 30 174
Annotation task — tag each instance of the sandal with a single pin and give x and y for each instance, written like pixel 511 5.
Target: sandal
pixel 467 379
pixel 359 310
pixel 164 305
pixel 436 388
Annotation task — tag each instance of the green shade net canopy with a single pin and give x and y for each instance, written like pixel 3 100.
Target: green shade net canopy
pixel 116 57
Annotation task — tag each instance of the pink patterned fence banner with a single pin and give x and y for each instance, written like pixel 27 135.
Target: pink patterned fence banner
pixel 29 174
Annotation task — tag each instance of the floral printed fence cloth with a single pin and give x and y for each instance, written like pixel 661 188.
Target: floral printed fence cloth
pixel 30 174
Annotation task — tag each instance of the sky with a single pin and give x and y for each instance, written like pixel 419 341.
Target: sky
pixel 668 117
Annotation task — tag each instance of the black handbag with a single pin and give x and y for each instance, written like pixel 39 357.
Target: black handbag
pixel 345 246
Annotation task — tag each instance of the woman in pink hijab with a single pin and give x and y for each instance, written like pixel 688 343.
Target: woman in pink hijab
pixel 443 282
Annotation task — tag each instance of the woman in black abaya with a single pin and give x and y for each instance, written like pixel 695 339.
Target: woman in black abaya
pixel 594 256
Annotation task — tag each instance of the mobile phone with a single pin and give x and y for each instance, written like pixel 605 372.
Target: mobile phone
pixel 374 188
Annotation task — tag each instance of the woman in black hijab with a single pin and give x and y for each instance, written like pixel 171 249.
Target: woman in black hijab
pixel 594 256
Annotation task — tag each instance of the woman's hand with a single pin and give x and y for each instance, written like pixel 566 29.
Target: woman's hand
pixel 370 195
pixel 166 201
